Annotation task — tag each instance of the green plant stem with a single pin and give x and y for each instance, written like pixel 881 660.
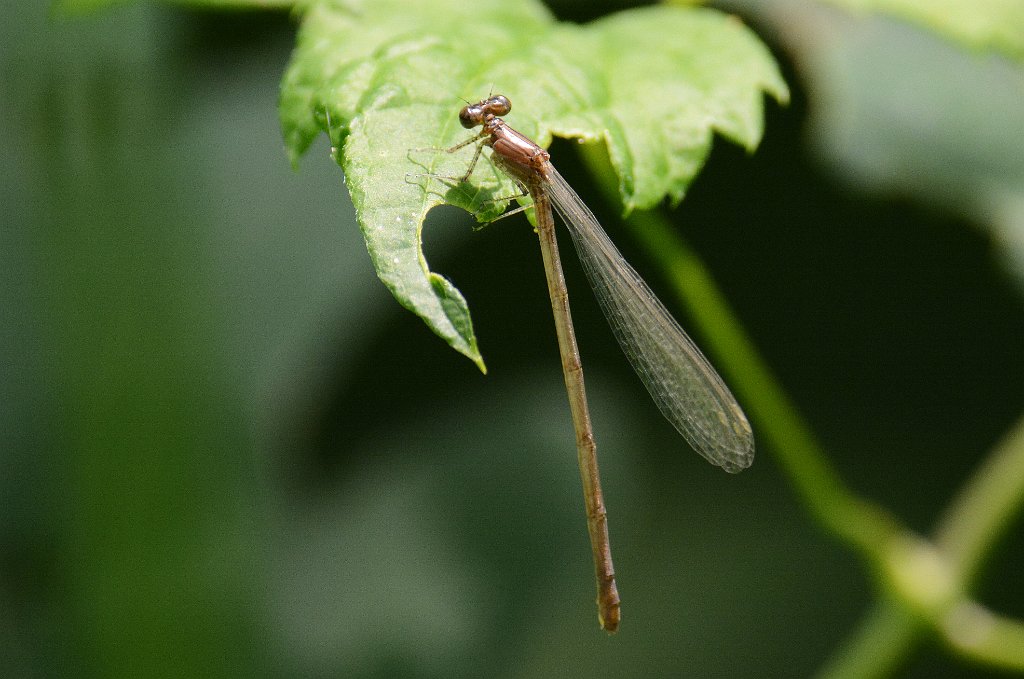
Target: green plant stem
pixel 971 525
pixel 974 521
pixel 883 641
pixel 982 510
pixel 992 639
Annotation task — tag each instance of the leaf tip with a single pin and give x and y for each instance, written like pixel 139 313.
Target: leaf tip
pixel 479 360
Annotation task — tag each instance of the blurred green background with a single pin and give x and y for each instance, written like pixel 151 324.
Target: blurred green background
pixel 226 451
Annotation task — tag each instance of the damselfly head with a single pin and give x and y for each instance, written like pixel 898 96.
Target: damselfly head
pixel 476 114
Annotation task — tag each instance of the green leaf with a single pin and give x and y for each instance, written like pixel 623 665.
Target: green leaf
pixel 654 84
pixel 996 25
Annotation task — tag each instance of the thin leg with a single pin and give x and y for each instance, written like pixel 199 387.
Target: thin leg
pixel 472 163
pixel 478 140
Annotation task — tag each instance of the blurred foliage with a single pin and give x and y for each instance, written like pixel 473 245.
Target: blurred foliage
pixel 980 24
pixel 900 111
pixel 226 451
pixel 72 7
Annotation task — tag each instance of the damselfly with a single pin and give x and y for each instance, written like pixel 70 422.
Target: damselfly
pixel 682 383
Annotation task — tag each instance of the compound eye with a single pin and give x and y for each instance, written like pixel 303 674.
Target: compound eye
pixel 471 116
pixel 499 105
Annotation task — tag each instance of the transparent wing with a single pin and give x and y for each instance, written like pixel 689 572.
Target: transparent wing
pixel 685 387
